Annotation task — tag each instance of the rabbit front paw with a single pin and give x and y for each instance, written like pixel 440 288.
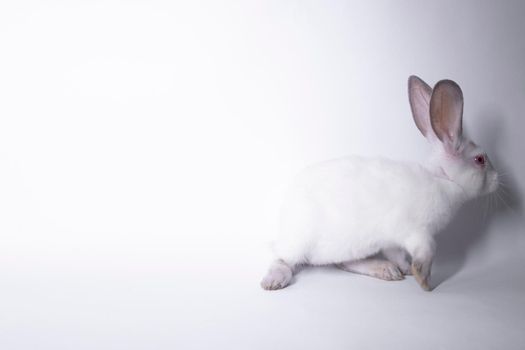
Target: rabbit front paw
pixel 421 272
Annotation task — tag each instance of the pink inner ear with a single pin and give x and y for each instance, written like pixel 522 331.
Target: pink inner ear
pixel 419 97
pixel 446 112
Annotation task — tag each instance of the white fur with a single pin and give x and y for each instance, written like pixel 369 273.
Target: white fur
pixel 351 208
pixel 345 210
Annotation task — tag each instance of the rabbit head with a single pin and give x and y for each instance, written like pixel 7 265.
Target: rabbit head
pixel 438 115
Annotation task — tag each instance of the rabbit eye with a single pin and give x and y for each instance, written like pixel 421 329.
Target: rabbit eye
pixel 480 159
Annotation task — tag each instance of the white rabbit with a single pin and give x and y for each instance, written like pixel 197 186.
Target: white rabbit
pixel 346 210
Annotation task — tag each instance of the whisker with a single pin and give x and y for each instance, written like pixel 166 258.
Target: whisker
pixel 503 184
pixel 504 202
pixel 503 192
pixel 486 210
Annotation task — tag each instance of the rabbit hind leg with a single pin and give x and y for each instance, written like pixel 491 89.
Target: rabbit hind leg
pixel 398 256
pixel 382 269
pixel 279 275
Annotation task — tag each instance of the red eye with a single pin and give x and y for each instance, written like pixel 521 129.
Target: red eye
pixel 480 159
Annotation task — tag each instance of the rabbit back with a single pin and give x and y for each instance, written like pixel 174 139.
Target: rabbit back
pixel 353 207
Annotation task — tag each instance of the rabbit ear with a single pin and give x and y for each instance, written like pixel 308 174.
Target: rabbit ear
pixel 419 94
pixel 446 113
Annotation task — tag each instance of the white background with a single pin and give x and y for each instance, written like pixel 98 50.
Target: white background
pixel 144 146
